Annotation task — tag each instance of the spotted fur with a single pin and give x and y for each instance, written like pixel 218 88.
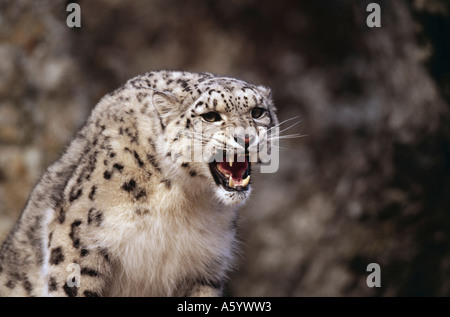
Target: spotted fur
pixel 123 203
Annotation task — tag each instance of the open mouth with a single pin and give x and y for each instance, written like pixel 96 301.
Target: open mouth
pixel 233 173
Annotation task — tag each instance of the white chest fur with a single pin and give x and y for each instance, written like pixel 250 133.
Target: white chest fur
pixel 157 253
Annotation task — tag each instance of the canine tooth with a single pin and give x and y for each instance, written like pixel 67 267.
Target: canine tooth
pixel 246 181
pixel 231 160
pixel 230 181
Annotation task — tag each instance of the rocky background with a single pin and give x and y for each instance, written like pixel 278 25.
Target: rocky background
pixel 368 182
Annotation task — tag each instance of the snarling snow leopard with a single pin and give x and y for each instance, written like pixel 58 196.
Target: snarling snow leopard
pixel 144 200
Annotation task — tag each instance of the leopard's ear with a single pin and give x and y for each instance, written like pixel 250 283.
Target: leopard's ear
pixel 166 105
pixel 265 91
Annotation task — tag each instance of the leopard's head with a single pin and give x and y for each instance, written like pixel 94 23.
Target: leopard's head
pixel 219 135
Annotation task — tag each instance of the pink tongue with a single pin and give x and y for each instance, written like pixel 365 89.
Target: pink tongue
pixel 236 171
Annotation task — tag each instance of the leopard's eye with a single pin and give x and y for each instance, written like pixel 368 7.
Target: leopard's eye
pixel 258 112
pixel 211 116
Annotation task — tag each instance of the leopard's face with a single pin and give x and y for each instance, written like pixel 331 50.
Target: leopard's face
pixel 221 135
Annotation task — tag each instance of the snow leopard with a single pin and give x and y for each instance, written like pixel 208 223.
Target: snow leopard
pixel 145 199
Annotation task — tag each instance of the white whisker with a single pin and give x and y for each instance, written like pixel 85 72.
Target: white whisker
pixel 285 121
pixel 287 136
